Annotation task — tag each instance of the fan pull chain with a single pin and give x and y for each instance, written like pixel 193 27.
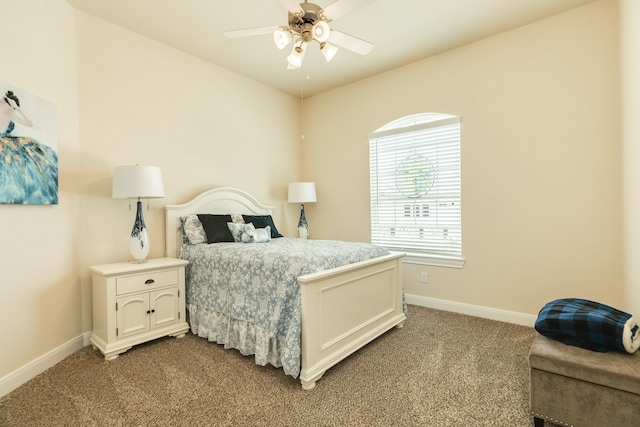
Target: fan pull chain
pixel 302 107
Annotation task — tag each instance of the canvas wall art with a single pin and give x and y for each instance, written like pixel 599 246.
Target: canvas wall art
pixel 28 148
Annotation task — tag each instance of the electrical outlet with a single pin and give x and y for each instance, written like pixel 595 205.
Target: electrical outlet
pixel 423 277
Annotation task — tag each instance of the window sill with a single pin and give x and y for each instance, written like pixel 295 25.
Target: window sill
pixel 435 260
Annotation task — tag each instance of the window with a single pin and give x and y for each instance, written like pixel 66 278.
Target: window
pixel 415 188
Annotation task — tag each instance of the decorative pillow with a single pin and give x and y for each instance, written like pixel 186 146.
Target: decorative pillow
pixel 263 235
pixel 215 227
pixel 247 233
pixel 192 229
pixel 262 221
pixel 237 218
pixel 242 233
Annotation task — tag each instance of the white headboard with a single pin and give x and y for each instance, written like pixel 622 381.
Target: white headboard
pixel 223 200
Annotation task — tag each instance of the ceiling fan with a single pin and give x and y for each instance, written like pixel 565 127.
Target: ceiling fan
pixel 309 22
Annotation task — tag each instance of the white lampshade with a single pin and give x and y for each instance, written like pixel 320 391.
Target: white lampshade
pixel 295 58
pixel 302 192
pixel 137 181
pixel 328 51
pixel 281 38
pixel 321 31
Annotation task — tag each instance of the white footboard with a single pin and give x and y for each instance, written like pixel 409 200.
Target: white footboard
pixel 345 308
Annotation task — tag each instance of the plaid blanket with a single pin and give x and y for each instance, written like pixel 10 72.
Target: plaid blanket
pixel 586 324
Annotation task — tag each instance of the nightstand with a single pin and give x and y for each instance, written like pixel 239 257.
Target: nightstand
pixel 135 303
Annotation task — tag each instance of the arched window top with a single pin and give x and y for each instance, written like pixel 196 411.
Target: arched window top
pixel 415 119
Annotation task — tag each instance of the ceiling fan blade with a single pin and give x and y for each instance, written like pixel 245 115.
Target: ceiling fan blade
pixel 351 43
pixel 340 8
pixel 292 6
pixel 234 34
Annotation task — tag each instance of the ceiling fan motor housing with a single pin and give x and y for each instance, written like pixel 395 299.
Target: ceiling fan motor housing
pixel 302 23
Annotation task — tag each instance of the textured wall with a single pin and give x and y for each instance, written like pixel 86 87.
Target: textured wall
pixel 541 159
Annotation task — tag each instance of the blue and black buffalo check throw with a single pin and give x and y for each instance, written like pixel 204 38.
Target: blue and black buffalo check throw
pixel 583 323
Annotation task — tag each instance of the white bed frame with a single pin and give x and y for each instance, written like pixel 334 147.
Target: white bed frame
pixel 343 308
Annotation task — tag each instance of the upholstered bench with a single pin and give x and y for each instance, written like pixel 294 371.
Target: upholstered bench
pixel 572 386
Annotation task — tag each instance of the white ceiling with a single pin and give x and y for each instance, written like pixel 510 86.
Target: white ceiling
pixel 403 31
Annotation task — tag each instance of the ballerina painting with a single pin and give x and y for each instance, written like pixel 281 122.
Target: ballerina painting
pixel 28 159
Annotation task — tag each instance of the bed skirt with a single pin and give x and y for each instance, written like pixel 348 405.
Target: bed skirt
pixel 246 337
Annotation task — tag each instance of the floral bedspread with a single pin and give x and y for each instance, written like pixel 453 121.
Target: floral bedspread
pixel 247 296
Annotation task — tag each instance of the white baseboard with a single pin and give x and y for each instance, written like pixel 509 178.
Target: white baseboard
pixel 472 310
pixel 21 375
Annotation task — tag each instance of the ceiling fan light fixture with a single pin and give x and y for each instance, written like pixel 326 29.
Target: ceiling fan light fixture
pixel 321 31
pixel 295 58
pixel 308 22
pixel 281 38
pixel 328 51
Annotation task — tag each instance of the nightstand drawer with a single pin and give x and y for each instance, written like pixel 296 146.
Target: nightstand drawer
pixel 146 281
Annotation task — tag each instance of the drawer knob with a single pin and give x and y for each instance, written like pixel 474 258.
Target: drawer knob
pixel 149 282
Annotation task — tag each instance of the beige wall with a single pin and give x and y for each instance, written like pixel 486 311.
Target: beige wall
pixel 630 54
pixel 40 305
pixel 122 99
pixel 142 102
pixel 541 159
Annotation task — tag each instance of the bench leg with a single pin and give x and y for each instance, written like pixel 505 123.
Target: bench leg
pixel 538 422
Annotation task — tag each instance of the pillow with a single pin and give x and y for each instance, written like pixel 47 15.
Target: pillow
pixel 215 227
pixel 237 218
pixel 192 229
pixel 262 221
pixel 263 235
pixel 247 233
pixel 242 233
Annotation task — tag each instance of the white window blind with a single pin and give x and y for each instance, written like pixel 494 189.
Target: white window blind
pixel 415 185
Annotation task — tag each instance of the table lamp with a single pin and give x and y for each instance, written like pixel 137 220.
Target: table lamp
pixel 302 192
pixel 138 182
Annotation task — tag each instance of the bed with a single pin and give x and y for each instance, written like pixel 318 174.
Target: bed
pixel 329 314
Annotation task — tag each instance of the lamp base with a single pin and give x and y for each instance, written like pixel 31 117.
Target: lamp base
pixel 303 227
pixel 139 242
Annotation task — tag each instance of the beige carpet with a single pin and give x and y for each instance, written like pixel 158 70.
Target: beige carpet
pixel 441 369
